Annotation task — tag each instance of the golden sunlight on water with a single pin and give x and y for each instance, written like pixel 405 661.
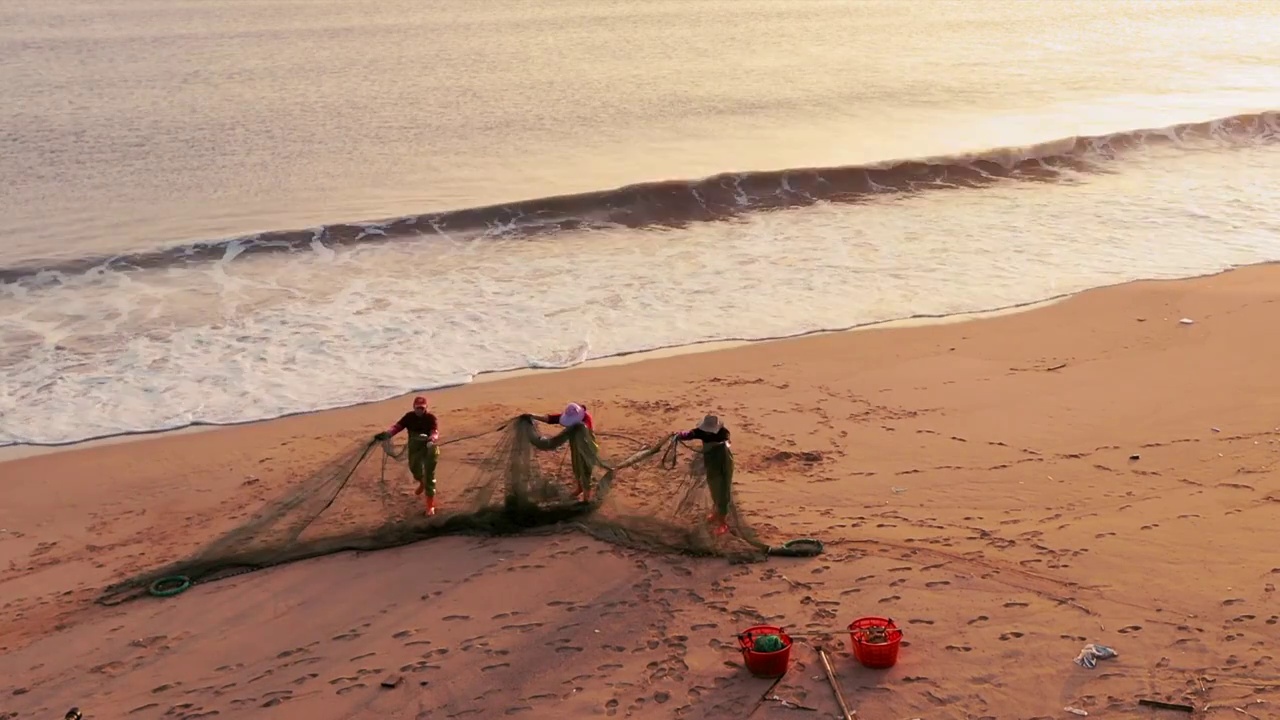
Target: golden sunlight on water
pixel 131 123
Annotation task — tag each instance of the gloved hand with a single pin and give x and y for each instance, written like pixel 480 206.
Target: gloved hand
pixel 384 435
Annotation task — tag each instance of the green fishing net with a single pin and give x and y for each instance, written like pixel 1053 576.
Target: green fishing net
pixel 511 480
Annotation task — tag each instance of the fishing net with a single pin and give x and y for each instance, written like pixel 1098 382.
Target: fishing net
pixel 510 480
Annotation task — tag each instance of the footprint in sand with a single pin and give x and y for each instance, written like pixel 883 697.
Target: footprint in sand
pixel 980 618
pixel 490 668
pixel 1243 618
pixel 525 627
pixel 452 618
pixel 1129 629
pixel 1017 604
pixel 1273 620
pixel 890 599
pixel 920 621
pixel 350 688
pixel 1232 601
pixel 274 698
pixel 959 648
pixel 1011 635
pixel 937 583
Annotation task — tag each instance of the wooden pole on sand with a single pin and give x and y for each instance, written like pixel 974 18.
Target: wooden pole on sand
pixel 835 687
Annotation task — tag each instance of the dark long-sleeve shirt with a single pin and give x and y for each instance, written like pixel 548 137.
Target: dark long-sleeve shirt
pixel 720 436
pixel 424 424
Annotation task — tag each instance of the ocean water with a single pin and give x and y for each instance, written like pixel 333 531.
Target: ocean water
pixel 217 211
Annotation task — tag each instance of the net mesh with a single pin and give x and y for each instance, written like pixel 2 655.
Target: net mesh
pixel 513 480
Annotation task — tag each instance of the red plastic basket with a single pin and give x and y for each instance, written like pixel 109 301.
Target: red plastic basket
pixel 765 664
pixel 875 655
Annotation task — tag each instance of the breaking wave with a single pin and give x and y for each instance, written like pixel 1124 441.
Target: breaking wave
pixel 675 203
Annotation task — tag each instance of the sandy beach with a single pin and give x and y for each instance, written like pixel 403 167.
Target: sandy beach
pixel 1007 489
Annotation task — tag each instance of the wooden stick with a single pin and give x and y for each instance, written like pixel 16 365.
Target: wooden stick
pixel 1166 706
pixel 835 687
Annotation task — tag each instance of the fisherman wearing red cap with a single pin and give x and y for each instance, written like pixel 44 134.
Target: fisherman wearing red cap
pixel 424 430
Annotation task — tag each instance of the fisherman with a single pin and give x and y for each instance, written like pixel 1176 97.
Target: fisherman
pixel 573 415
pixel 424 454
pixel 718 458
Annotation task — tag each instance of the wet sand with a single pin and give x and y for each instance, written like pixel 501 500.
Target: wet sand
pixel 1007 489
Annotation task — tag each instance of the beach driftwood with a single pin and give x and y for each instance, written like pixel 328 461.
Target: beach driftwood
pixel 835 687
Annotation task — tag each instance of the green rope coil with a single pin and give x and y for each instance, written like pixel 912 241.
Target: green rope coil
pixel 170 586
pixel 768 644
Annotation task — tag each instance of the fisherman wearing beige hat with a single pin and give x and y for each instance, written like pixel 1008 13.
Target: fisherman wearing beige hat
pixel 718 459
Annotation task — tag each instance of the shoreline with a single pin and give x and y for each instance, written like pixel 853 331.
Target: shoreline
pixel 10 453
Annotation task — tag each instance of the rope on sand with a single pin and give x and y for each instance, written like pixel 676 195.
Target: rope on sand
pixel 800 547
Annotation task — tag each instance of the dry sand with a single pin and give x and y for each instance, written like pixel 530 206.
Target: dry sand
pixel 973 481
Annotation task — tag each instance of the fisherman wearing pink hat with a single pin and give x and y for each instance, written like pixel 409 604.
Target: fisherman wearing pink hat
pixel 572 416
pixel 424 454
